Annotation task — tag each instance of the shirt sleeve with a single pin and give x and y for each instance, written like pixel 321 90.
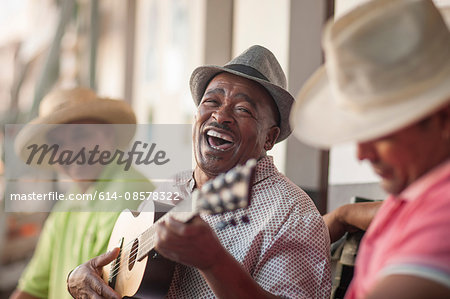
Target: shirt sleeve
pixel 296 264
pixel 36 276
pixel 424 242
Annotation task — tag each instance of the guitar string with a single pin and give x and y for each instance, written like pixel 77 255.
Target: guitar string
pixel 142 245
pixel 149 240
pixel 130 243
pixel 117 267
pixel 150 230
pixel 126 259
pixel 127 256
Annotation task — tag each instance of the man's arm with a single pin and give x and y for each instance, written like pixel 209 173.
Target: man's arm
pixel 408 287
pixel 35 279
pixel 350 218
pixel 195 244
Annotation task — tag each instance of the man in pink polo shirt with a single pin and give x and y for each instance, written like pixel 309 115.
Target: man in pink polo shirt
pixel 386 86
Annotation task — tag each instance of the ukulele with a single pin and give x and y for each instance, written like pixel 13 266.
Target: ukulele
pixel 138 271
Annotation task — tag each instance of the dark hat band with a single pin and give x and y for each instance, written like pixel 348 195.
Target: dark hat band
pixel 247 70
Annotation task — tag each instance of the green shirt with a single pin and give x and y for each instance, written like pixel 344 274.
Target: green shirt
pixel 69 239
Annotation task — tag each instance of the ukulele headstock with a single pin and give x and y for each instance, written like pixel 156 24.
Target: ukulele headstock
pixel 227 192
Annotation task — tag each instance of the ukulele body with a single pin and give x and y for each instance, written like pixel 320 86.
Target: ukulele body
pixel 148 278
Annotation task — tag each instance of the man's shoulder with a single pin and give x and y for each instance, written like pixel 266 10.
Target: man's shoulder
pixel 282 194
pixel 268 176
pixel 282 185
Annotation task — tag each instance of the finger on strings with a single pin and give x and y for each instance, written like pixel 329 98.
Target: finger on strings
pixel 105 259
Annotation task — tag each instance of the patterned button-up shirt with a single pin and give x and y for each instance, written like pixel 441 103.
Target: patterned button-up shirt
pixel 284 247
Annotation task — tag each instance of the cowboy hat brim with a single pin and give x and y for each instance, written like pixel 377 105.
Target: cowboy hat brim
pixel 320 121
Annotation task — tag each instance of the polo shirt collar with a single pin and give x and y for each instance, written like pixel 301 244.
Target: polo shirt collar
pixel 427 181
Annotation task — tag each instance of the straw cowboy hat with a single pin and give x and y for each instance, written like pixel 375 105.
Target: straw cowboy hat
pixel 257 64
pixel 387 66
pixel 71 105
pixel 445 11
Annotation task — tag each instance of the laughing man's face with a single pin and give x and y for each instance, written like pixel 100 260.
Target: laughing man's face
pixel 236 120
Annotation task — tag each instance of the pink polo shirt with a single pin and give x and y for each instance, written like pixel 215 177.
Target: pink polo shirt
pixel 410 235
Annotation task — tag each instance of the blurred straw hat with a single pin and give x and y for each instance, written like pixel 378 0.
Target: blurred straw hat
pixel 445 11
pixel 70 105
pixel 387 66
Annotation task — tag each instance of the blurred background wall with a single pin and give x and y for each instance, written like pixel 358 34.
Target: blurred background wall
pixel 143 52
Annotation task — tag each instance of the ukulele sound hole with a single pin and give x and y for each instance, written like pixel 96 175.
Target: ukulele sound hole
pixel 133 254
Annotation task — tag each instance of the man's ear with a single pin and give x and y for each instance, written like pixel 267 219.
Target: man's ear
pixel 271 137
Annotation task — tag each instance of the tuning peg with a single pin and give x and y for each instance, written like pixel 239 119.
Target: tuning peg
pixel 251 163
pixel 219 182
pixel 227 195
pixel 232 176
pixel 245 219
pixel 221 225
pixel 207 187
pixel 206 206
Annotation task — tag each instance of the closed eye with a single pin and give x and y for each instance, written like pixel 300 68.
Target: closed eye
pixel 244 110
pixel 210 102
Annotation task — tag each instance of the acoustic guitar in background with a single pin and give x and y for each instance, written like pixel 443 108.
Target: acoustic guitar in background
pixel 138 271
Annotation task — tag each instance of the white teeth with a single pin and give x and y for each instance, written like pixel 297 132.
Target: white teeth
pixel 217 148
pixel 219 135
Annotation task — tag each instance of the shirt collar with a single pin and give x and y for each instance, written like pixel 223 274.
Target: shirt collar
pixel 264 169
pixel 427 181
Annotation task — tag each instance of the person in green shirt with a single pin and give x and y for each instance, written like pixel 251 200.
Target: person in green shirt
pixel 77 231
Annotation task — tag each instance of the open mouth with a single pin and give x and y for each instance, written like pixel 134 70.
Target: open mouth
pixel 219 141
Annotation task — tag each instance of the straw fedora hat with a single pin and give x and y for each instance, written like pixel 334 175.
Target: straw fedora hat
pixel 445 11
pixel 70 105
pixel 257 64
pixel 387 66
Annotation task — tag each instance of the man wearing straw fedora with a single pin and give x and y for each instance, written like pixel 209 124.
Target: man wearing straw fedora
pixel 386 86
pixel 72 118
pixel 283 250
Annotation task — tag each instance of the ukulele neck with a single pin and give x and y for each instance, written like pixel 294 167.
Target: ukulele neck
pixel 147 238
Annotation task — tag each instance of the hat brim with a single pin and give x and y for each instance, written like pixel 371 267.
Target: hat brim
pixel 318 120
pixel 107 111
pixel 201 77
